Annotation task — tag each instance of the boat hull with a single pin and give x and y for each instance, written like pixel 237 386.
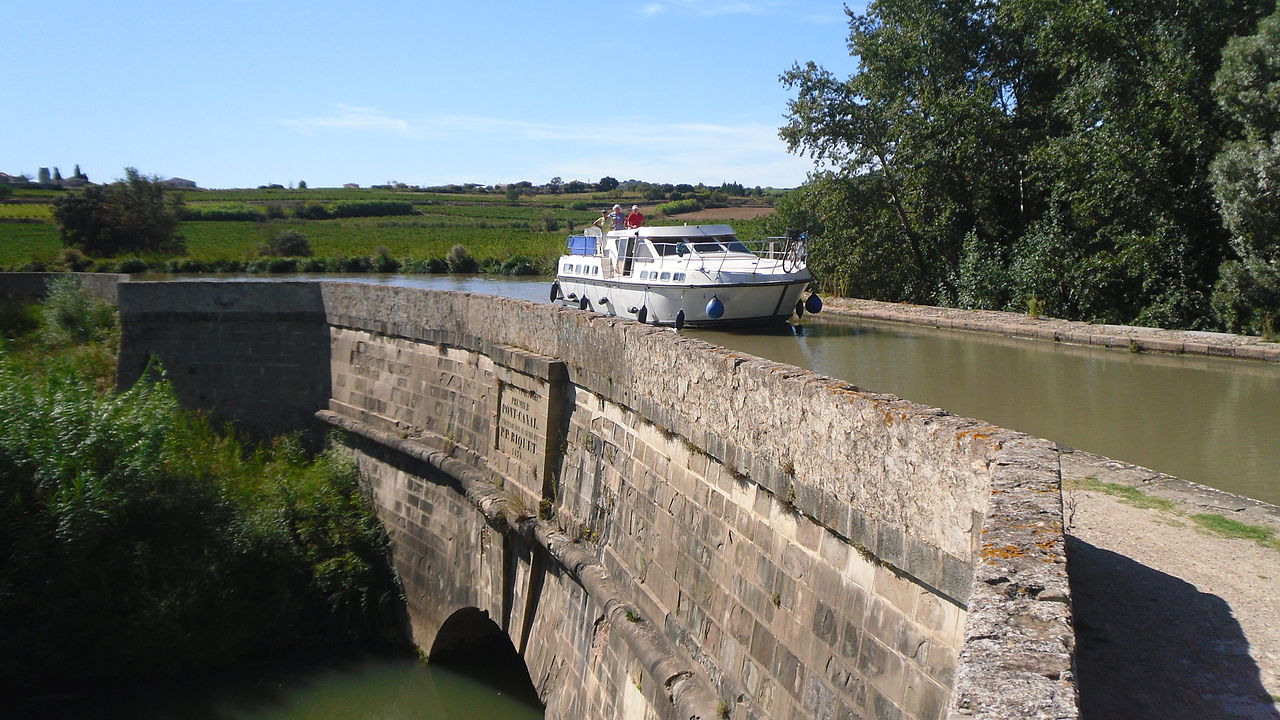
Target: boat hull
pixel 745 304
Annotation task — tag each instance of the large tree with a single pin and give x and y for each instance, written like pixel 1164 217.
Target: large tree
pixel 135 214
pixel 985 153
pixel 1246 178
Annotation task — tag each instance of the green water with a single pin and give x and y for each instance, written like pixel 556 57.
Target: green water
pixel 364 690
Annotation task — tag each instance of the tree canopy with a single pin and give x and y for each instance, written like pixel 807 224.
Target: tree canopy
pixel 135 214
pixel 987 153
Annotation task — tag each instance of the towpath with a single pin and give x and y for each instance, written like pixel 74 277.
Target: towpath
pixel 1172 621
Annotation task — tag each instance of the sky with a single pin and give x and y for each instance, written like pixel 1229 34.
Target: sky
pixel 241 93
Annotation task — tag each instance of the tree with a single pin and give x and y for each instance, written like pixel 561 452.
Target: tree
pixel 130 215
pixel 1246 180
pixel 555 185
pixel 606 184
pixel 1057 150
pixel 5 191
pixel 302 184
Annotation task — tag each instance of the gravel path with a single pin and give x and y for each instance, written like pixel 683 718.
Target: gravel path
pixel 1171 622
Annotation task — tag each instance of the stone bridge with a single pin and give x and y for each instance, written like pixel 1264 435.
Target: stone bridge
pixel 663 528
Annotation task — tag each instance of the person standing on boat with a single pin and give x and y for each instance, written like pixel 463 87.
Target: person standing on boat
pixel 619 220
pixel 635 219
pixel 604 222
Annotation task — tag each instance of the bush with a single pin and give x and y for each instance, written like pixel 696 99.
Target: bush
pixel 17 317
pixel 680 206
pixel 139 544
pixel 311 211
pixel 70 315
pixel 131 265
pixel 74 260
pixel 287 243
pixel 132 215
pixel 383 262
pixel 519 265
pixel 460 260
pixel 371 208
pixel 549 222
pixel 215 213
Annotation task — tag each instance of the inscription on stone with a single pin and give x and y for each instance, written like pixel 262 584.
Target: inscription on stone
pixel 520 429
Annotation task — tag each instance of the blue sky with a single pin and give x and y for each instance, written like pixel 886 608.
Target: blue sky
pixel 240 93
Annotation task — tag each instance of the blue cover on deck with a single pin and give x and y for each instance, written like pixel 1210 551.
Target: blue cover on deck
pixel 582 245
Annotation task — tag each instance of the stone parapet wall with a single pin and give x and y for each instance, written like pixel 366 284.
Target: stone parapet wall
pixel 253 353
pixel 796 545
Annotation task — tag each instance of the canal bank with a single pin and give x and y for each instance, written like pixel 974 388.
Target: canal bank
pixel 1135 339
pixel 1172 620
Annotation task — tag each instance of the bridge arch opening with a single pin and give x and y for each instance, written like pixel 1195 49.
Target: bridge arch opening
pixel 471 644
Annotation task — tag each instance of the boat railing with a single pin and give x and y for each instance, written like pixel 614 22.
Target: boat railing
pixel 791 252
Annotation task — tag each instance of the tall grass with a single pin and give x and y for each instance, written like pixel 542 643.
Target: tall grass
pixel 138 542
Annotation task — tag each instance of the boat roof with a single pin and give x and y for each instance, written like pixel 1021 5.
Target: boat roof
pixel 674 231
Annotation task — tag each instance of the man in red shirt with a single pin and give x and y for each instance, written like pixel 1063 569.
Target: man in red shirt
pixel 635 219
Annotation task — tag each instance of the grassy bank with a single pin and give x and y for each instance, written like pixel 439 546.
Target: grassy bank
pixel 139 543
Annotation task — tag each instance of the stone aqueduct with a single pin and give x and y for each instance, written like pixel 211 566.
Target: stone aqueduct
pixel 663 528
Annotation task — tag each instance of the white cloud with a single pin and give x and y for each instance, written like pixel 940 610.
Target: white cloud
pixel 349 117
pixel 711 8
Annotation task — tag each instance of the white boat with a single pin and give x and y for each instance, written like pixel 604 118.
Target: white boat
pixel 694 275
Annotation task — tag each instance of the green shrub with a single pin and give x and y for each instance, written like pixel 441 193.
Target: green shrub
pixel 131 265
pixel 286 243
pixel 18 317
pixel 313 265
pixel 680 206
pixel 139 544
pixel 370 208
pixel 237 211
pixel 311 211
pixel 519 265
pixel 460 260
pixel 74 260
pixel 69 314
pixel 282 265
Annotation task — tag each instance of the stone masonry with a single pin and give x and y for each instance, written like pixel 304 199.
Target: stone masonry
pixel 663 527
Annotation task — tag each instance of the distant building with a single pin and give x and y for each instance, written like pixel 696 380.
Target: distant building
pixel 352 186
pixel 179 184
pixel 15 181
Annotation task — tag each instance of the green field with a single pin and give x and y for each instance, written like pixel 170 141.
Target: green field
pixel 493 229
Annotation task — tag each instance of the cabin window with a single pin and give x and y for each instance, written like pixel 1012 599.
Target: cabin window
pixel 666 276
pixel 665 248
pixel 678 277
pixel 644 274
pixel 736 246
pixel 706 248
pixel 568 267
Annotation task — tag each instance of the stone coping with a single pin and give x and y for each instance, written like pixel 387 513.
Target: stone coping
pixel 1189 496
pixel 1189 342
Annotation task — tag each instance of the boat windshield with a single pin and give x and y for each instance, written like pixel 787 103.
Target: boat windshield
pixel 707 248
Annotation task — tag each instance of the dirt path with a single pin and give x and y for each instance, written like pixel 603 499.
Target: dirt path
pixel 1171 622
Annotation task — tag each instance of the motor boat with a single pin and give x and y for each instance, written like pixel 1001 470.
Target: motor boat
pixel 697 275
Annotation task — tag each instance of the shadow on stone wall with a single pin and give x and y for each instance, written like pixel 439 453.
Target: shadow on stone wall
pixel 1152 646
